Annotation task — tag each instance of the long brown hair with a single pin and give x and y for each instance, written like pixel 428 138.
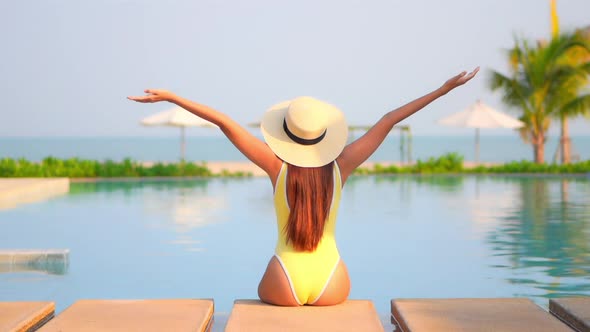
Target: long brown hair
pixel 309 193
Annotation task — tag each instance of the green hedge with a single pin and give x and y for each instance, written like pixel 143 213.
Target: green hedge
pixel 526 166
pixel 448 163
pixel 77 168
pixel 453 163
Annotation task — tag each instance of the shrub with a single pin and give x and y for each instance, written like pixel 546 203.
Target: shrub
pixel 77 168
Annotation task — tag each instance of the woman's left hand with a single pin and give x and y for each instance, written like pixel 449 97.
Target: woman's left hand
pixel 153 96
pixel 458 80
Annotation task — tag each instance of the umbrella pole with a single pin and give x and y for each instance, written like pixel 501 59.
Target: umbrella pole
pixel 182 144
pixel 476 145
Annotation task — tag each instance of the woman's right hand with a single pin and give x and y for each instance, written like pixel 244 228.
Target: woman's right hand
pixel 153 96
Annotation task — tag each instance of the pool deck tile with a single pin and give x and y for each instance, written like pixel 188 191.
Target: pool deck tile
pixel 574 311
pixel 352 315
pixel 498 314
pixel 135 315
pixel 26 256
pixel 52 261
pixel 24 316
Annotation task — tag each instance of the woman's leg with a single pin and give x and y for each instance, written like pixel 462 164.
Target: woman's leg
pixel 274 288
pixel 338 287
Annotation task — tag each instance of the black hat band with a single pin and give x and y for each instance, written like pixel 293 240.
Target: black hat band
pixel 300 140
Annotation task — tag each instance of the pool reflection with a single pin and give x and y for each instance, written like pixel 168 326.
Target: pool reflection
pixel 545 238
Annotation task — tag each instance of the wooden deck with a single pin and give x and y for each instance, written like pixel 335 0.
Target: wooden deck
pixel 352 315
pixel 415 315
pixel 24 316
pixel 466 315
pixel 574 311
pixel 182 315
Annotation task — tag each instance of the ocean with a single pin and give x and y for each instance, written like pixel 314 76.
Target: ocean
pixel 492 148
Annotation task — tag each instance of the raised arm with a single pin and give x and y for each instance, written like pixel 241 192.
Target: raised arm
pixel 252 147
pixel 360 150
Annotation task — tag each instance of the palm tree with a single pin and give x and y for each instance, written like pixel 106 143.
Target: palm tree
pixel 541 84
pixel 575 56
pixel 578 105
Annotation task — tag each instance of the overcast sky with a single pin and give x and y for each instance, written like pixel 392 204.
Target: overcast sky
pixel 67 65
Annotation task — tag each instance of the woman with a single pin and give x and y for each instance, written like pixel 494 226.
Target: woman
pixel 308 163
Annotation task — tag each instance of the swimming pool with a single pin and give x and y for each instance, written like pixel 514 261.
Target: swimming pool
pixel 401 236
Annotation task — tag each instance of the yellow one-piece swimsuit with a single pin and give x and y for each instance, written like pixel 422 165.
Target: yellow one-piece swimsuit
pixel 308 272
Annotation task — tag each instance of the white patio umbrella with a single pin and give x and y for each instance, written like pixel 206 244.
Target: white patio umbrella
pixel 177 117
pixel 479 116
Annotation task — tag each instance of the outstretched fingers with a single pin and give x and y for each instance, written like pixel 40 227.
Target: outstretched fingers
pixel 461 74
pixel 151 96
pixel 458 80
pixel 473 72
pixel 467 77
pixel 141 99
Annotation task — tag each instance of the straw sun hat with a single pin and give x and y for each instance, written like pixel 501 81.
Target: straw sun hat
pixel 305 132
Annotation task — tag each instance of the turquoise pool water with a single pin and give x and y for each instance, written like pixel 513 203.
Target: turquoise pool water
pixel 408 236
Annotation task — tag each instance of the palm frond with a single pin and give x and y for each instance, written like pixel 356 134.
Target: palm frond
pixel 568 42
pixel 578 106
pixel 513 92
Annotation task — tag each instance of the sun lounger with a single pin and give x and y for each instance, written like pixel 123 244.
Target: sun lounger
pixel 574 311
pixel 24 316
pixel 352 315
pixel 134 315
pixel 510 314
